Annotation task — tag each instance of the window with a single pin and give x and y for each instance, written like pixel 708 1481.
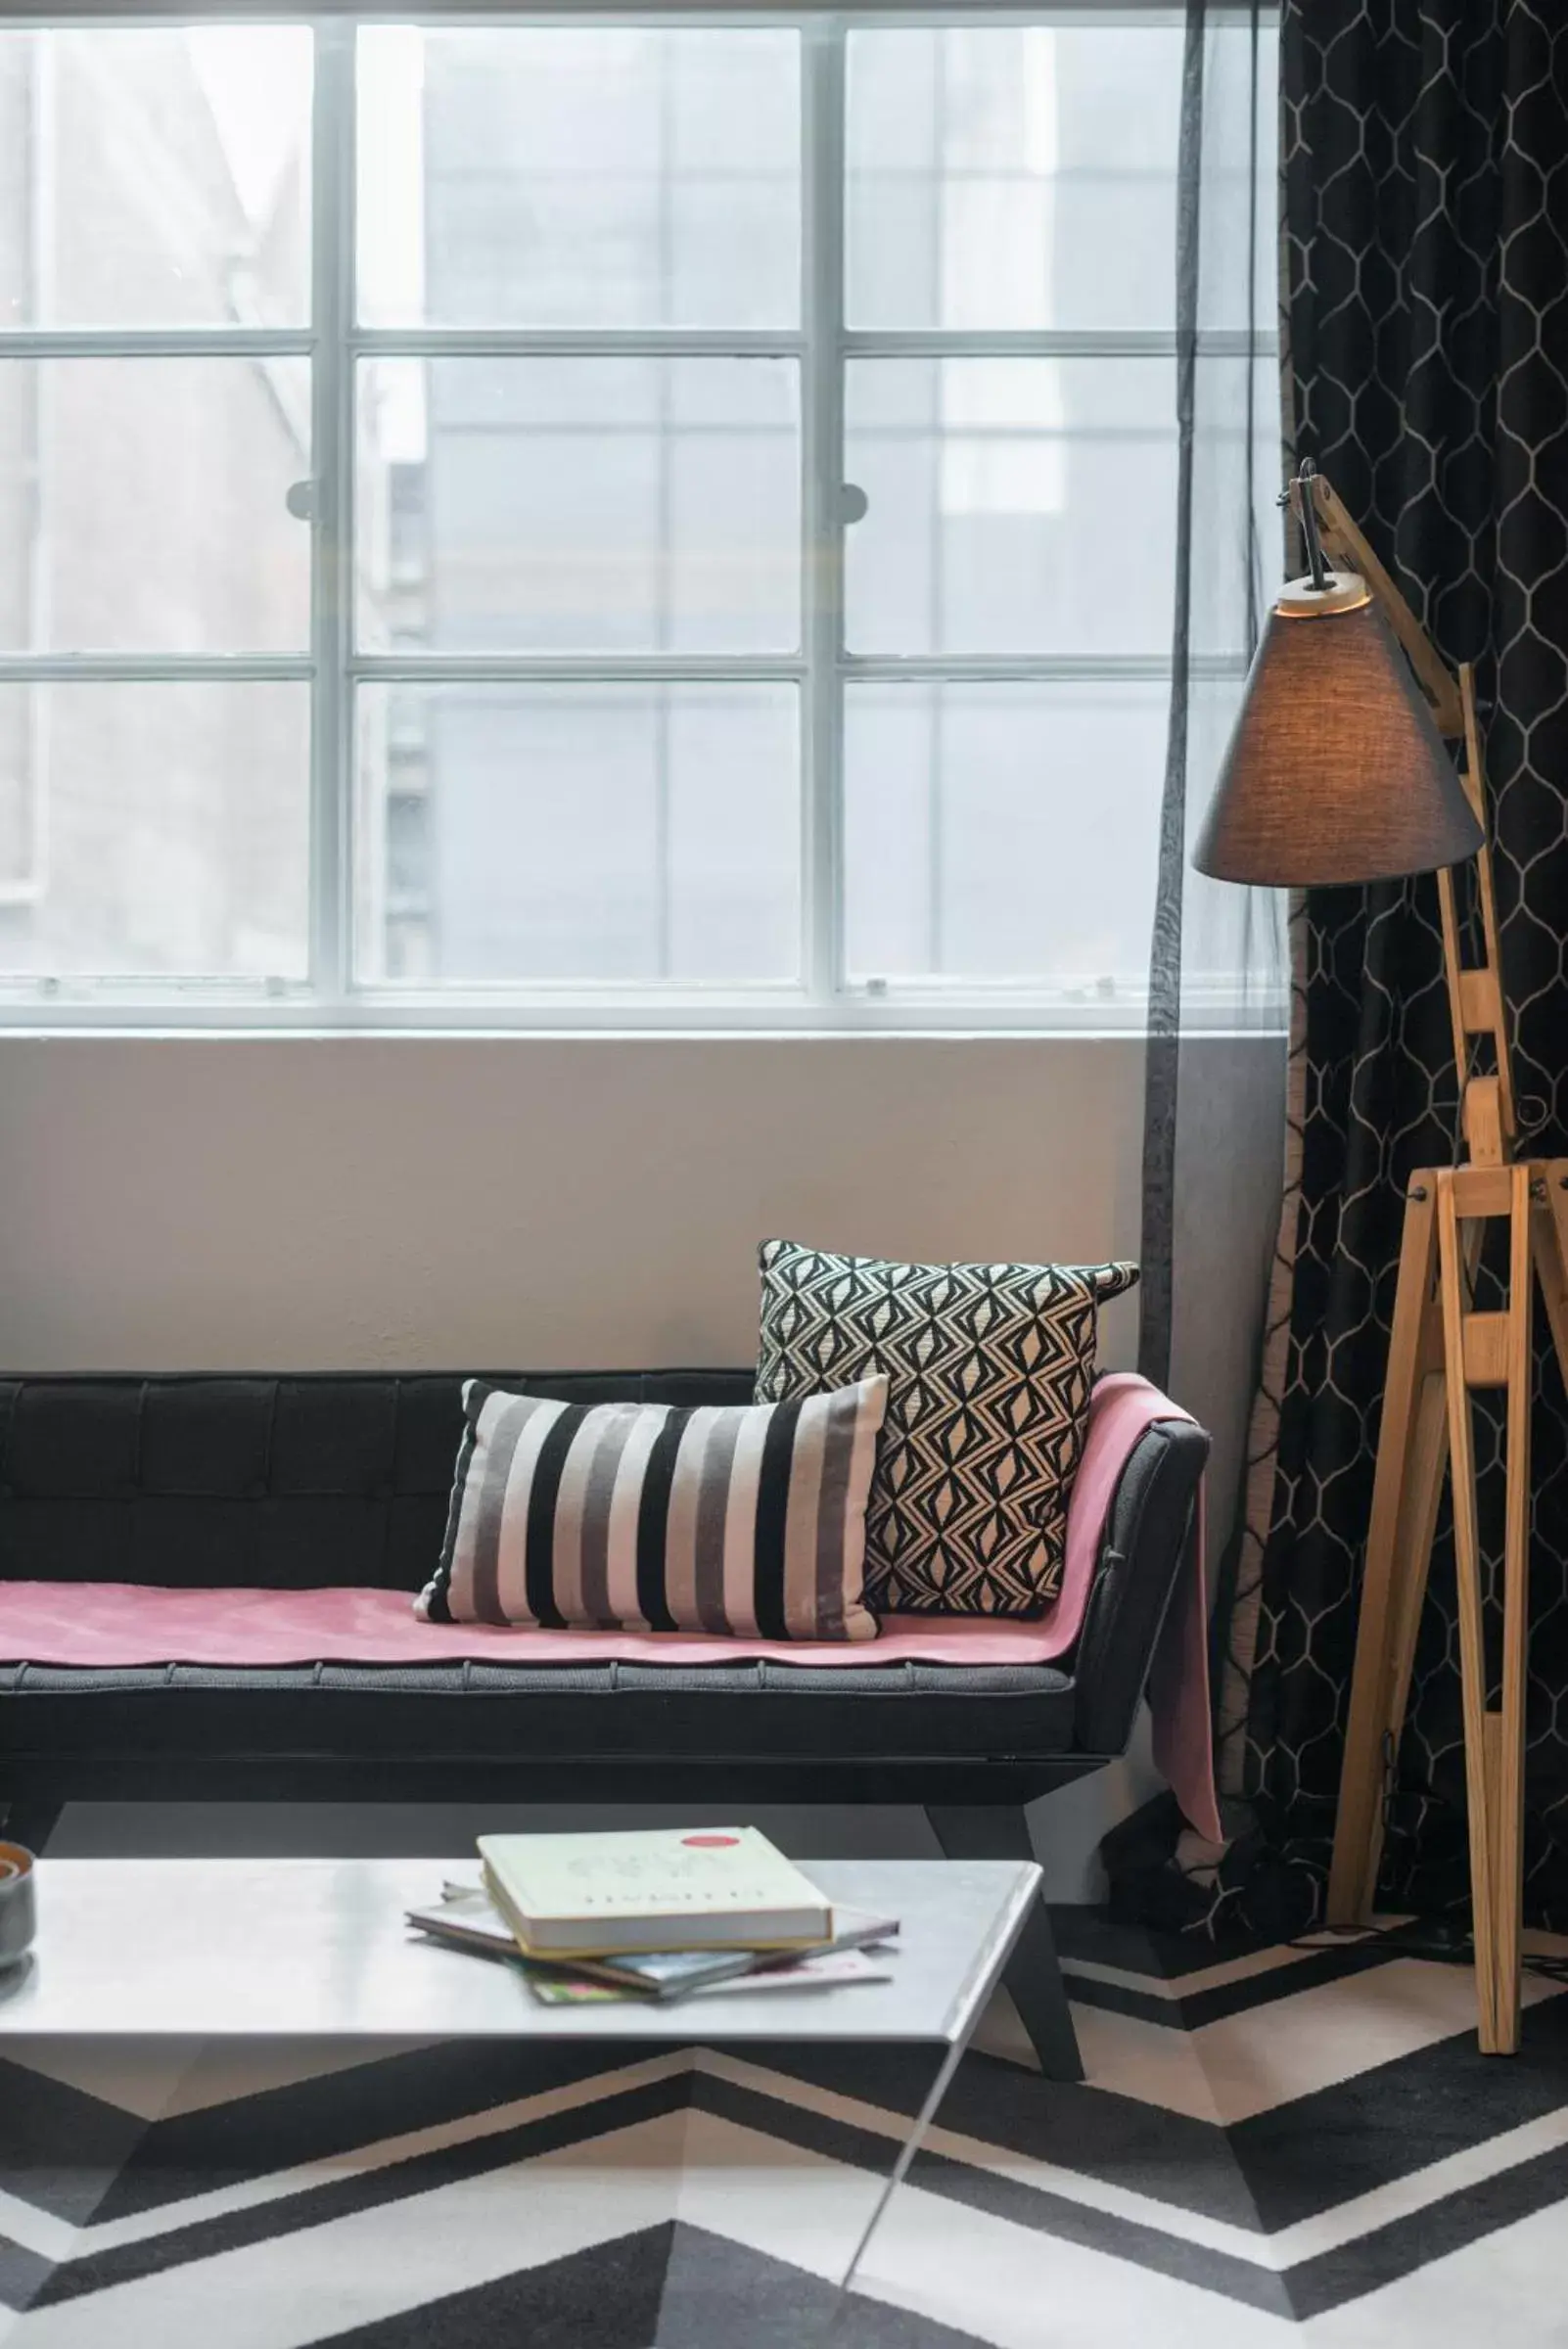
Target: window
pixel 572 521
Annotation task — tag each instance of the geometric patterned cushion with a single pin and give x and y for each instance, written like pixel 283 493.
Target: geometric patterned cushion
pixel 990 1369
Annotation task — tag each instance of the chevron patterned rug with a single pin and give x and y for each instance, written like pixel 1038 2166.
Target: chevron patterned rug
pixel 1285 2146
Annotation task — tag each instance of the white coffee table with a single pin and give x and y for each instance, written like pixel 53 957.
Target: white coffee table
pixel 300 1949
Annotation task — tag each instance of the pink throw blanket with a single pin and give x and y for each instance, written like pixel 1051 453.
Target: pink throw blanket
pixel 97 1625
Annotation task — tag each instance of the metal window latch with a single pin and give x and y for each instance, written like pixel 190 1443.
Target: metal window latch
pixel 301 499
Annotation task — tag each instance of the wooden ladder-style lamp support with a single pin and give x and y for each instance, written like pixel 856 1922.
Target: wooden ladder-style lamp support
pixel 1440 1352
pixel 1336 774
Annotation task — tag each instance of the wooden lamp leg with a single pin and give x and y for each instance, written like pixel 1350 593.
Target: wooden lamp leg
pixel 1412 1456
pixel 1491 1350
pixel 1439 1351
pixel 1479 1774
pixel 1508 1835
pixel 1548 1235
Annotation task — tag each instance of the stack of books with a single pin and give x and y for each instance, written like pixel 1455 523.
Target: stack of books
pixel 658 1915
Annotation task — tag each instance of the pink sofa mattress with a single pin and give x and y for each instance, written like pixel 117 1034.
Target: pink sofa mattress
pixel 90 1624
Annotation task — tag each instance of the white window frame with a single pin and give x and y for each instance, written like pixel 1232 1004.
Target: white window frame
pixel 336 344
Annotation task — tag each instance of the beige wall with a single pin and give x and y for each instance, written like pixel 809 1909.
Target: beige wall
pixel 293 1202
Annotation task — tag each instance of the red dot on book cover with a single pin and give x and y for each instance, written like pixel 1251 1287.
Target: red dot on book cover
pixel 710 1843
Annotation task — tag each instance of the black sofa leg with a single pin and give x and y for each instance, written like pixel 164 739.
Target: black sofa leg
pixel 30 1820
pixel 1033 1977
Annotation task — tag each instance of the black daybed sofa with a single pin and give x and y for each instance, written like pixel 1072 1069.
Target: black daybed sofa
pixel 342 1480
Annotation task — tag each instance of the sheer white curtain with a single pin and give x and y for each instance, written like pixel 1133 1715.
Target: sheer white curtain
pixel 1218 970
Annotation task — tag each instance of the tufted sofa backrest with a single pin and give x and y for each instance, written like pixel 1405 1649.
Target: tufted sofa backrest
pixel 276 1483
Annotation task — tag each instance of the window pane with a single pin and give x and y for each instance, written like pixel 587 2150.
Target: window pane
pixel 155 178
pixel 592 832
pixel 1013 176
pixel 1015 505
pixel 141 505
pixel 570 176
pixel 1232 397
pixel 1003 831
pixel 1235 960
pixel 1240 144
pixel 155 830
pixel 580 504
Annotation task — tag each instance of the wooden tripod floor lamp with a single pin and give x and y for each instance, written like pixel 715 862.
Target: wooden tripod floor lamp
pixel 1336 772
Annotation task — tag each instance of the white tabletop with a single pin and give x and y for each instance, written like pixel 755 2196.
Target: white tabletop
pixel 307 1947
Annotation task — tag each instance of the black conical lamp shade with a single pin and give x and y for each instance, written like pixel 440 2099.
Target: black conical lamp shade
pixel 1336 771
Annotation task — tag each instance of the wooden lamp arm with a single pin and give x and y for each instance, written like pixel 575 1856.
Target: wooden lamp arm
pixel 1344 542
pixel 1476 1005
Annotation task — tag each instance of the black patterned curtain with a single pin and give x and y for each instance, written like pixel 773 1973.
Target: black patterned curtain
pixel 1425 167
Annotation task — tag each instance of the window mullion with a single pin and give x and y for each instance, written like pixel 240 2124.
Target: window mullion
pixel 332 527
pixel 153 668
pixel 154 341
pixel 822 567
pixel 492 669
pixel 573 342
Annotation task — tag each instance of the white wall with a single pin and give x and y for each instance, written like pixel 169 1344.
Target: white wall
pixel 295 1203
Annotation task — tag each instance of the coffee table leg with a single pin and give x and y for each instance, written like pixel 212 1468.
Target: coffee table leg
pixel 907 2151
pixel 955 2051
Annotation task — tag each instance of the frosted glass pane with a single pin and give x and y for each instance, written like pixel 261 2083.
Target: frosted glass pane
pixel 583 505
pixel 155 176
pixel 142 505
pixel 1015 505
pixel 1004 832
pixel 594 832
pixel 574 175
pixel 155 830
pixel 1017 176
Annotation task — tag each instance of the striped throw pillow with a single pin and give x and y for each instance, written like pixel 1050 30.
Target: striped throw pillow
pixel 746 1519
